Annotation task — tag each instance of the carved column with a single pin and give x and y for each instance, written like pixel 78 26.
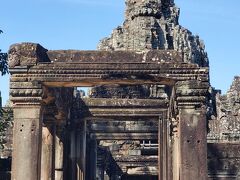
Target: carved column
pixel 47 153
pixel 192 130
pixel 27 132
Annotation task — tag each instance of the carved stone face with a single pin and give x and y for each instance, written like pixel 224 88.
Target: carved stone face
pixel 137 8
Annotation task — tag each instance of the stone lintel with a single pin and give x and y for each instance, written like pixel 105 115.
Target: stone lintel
pixel 129 158
pixel 28 54
pixel 123 129
pixel 100 109
pixel 149 170
pixel 100 119
pixel 121 112
pixel 126 103
pixel 99 68
pixel 85 74
pixel 114 56
pixel 125 136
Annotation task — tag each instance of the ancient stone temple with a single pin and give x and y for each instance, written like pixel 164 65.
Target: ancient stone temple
pixel 145 115
pixel 224 135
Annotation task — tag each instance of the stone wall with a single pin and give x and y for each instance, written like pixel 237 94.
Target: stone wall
pixel 224 135
pixel 225 127
pixel 224 161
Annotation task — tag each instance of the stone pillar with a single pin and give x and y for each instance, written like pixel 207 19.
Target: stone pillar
pixel 26 95
pixel 73 154
pixel 193 144
pixel 163 147
pixel 81 151
pixel 47 153
pixel 27 132
pixel 59 154
pixel 63 100
pixel 91 161
pixel 192 130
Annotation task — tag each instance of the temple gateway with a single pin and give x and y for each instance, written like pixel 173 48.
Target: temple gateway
pixel 146 113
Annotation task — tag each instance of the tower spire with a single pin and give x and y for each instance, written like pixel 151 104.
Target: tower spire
pixel 153 24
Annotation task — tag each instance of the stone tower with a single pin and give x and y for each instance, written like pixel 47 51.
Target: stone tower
pixel 153 24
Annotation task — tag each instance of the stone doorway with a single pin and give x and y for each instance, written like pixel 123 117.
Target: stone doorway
pixel 42 84
pixel 124 141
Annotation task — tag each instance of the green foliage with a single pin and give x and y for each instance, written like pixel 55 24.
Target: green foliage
pixel 5 115
pixel 3 61
pixel 5 122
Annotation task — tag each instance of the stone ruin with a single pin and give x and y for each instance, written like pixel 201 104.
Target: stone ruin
pixel 225 127
pixel 147 113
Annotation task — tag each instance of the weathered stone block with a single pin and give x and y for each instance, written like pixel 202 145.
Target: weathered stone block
pixel 25 54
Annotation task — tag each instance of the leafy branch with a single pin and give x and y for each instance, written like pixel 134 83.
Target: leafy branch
pixel 3 61
pixel 5 122
pixel 5 114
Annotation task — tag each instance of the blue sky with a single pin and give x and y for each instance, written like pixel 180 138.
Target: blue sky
pixel 80 24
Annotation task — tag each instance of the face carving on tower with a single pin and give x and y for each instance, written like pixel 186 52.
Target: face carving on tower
pixel 137 8
pixel 153 24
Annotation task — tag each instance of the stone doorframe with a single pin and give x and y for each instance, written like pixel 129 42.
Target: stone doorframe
pixel 134 110
pixel 39 77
